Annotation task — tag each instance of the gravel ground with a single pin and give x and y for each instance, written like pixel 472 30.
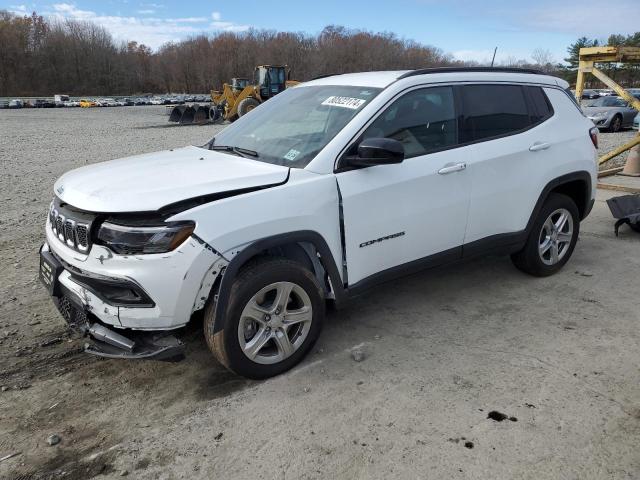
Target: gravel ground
pixel 609 141
pixel 441 350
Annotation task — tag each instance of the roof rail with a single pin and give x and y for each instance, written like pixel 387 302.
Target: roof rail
pixel 424 71
pixel 325 76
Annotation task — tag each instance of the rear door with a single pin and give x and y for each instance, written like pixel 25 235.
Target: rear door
pixel 515 143
pixel 396 214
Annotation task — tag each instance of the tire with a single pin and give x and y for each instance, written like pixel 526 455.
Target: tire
pixel 257 348
pixel 616 124
pixel 635 227
pixel 246 105
pixel 547 248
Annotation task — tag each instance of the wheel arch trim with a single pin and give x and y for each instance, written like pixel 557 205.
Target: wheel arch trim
pixel 581 175
pixel 326 258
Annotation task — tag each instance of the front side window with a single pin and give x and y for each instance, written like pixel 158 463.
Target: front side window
pixel 492 111
pixel 422 120
pixel 291 128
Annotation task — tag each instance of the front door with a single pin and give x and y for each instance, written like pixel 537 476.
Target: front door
pixel 397 214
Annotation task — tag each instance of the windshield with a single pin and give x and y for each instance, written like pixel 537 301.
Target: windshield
pixel 291 128
pixel 608 102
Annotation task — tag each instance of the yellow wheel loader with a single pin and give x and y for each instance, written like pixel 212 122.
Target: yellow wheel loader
pixel 237 98
pixel 240 97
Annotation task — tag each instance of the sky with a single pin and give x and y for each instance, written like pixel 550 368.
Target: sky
pixel 469 30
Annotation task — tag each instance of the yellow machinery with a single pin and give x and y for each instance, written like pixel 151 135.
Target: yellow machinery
pixel 240 97
pixel 588 57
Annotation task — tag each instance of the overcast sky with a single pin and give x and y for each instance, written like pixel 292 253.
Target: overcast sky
pixel 468 30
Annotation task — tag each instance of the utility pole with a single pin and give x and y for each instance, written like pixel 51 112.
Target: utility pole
pixel 494 56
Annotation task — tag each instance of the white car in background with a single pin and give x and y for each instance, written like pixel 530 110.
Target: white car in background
pixel 329 188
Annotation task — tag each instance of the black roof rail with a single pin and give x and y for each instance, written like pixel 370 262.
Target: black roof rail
pixel 424 71
pixel 325 76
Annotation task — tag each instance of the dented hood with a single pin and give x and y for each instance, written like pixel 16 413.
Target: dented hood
pixel 151 181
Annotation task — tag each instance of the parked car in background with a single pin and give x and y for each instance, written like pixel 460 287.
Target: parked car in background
pixel 590 94
pixel 43 103
pixel 636 122
pixel 610 113
pixel 127 102
pixel 156 101
pixel 15 103
pixel 61 100
pixel 86 103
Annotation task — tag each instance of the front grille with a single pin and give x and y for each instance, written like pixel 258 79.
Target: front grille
pixel 70 227
pixel 74 316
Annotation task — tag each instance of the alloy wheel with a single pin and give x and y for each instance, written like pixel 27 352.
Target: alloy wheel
pixel 555 236
pixel 275 322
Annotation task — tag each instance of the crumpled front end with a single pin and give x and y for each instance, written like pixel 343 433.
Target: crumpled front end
pixel 125 302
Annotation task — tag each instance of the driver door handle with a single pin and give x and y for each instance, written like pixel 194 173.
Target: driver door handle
pixel 456 167
pixel 537 146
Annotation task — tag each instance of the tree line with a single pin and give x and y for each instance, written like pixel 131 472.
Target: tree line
pixel 40 57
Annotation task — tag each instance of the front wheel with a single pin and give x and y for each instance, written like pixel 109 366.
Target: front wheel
pixel 616 124
pixel 552 238
pixel 274 316
pixel 246 105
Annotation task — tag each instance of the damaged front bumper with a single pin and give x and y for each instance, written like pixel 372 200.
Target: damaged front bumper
pixel 102 340
pixel 127 305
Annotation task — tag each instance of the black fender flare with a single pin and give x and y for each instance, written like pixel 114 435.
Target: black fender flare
pixel 581 175
pixel 328 262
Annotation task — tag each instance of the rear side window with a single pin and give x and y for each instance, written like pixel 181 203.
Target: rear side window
pixel 539 106
pixel 492 111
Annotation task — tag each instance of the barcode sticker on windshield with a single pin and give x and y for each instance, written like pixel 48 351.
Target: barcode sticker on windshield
pixel 345 102
pixel 291 155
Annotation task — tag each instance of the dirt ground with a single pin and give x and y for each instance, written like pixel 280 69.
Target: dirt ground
pixel 443 349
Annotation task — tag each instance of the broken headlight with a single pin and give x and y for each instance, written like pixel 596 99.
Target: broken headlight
pixel 137 239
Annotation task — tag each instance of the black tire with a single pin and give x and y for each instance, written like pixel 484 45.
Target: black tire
pixel 225 344
pixel 529 259
pixel 616 124
pixel 635 227
pixel 246 105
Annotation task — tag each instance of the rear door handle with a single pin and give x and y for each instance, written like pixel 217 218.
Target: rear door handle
pixel 537 146
pixel 452 168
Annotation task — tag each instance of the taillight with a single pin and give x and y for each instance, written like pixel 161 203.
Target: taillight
pixel 593 133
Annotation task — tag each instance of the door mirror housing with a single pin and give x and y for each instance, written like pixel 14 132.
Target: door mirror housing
pixel 376 151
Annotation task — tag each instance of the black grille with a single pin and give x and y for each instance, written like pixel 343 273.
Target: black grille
pixel 71 313
pixel 81 236
pixel 71 226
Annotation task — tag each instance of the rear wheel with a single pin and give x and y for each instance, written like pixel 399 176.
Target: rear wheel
pixel 552 239
pixel 274 316
pixel 616 124
pixel 246 105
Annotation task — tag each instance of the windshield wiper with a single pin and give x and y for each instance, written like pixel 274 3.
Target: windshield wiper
pixel 241 152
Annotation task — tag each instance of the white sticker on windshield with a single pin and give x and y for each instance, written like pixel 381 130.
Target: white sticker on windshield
pixel 291 155
pixel 345 102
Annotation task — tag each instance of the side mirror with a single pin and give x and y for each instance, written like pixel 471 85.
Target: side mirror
pixel 377 151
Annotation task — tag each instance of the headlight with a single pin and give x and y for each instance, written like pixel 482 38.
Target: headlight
pixel 133 239
pixel 601 115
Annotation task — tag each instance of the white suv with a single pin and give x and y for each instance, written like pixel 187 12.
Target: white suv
pixel 329 188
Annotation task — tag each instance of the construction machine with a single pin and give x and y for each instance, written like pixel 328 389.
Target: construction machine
pixel 236 98
pixel 240 97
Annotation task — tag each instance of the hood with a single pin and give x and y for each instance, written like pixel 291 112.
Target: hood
pixel 151 181
pixel 590 111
